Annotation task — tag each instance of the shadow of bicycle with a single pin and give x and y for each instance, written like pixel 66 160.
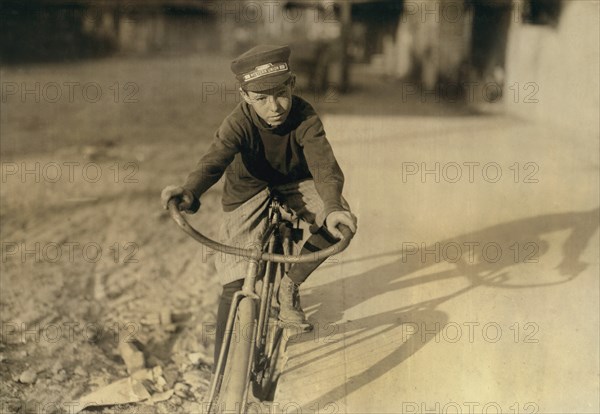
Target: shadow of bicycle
pixel 538 243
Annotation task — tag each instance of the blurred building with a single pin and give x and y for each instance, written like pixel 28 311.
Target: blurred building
pixel 552 64
pixel 538 57
pixel 58 30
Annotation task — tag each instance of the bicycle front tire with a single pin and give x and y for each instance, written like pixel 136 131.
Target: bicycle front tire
pixel 236 373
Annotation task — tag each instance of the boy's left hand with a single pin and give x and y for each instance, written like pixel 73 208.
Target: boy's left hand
pixel 340 217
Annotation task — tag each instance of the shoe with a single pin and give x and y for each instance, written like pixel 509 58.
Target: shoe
pixel 290 311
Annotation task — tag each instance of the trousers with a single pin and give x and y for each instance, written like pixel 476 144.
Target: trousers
pixel 244 226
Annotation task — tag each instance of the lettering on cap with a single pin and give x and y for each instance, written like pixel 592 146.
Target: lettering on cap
pixel 264 70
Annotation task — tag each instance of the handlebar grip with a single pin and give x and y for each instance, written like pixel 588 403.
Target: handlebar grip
pixel 346 232
pixel 173 207
pixel 178 199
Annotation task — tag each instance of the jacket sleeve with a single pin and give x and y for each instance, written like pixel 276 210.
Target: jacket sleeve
pixel 226 143
pixel 327 174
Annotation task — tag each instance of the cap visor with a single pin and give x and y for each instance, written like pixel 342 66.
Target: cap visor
pixel 268 82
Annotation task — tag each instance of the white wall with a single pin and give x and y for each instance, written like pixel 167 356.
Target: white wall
pixel 561 65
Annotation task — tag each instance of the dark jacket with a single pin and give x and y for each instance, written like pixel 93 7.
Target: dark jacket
pixel 254 155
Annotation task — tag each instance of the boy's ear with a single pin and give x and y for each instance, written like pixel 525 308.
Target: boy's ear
pixel 293 81
pixel 245 96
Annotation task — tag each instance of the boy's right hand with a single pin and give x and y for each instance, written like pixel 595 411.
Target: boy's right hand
pixel 187 201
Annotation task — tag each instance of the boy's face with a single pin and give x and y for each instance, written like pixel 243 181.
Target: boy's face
pixel 273 105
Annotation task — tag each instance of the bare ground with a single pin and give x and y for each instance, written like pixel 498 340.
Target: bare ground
pixel 90 261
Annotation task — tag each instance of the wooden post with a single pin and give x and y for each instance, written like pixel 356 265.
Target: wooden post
pixel 346 21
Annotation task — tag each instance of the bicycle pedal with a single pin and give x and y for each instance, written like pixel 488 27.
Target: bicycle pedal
pixel 296 327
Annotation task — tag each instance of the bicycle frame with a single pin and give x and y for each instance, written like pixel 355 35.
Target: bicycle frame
pixel 277 229
pixel 276 239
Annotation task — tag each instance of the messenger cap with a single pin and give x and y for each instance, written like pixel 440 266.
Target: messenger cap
pixel 263 67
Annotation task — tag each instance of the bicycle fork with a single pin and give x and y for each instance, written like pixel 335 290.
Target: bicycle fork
pixel 248 291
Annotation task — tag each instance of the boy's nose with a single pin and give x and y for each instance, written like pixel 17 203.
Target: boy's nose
pixel 273 106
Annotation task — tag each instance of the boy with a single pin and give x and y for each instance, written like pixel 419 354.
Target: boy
pixel 272 140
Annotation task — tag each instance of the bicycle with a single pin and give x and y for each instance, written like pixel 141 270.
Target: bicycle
pixel 255 361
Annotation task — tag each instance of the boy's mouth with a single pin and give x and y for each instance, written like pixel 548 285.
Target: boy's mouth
pixel 276 118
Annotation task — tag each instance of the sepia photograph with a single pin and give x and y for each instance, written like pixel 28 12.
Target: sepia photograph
pixel 299 206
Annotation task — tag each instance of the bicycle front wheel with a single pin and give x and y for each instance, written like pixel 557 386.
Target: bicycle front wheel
pixel 237 368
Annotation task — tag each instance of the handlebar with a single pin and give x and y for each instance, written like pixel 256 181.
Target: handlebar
pixel 254 253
